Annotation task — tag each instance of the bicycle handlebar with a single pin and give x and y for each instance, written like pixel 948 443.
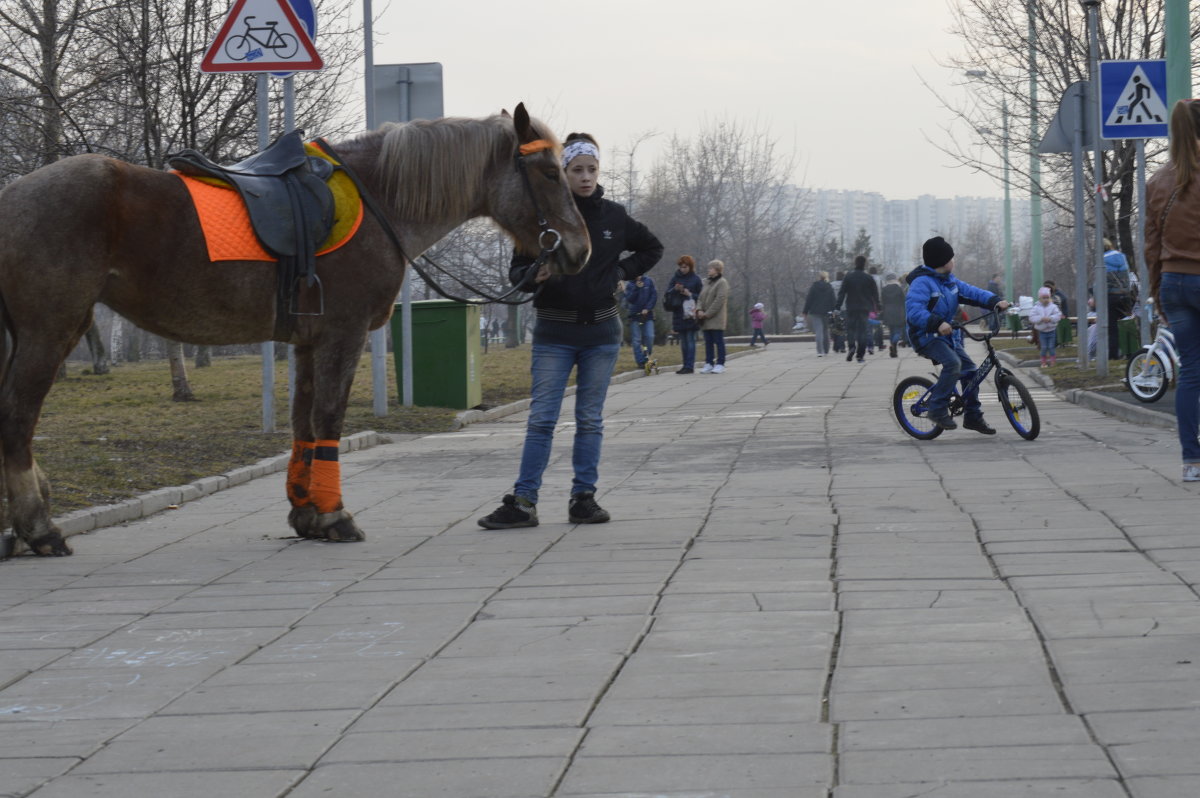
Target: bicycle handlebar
pixel 963 325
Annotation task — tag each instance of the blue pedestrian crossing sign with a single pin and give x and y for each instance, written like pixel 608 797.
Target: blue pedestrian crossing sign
pixel 1133 99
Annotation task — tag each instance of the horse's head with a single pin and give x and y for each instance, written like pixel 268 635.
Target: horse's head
pixel 532 202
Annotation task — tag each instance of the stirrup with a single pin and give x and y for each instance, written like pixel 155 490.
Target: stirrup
pixel 294 305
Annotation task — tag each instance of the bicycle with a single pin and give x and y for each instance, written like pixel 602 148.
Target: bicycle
pixel 910 400
pixel 1150 371
pixel 285 45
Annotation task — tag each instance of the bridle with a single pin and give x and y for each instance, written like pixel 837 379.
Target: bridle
pixel 547 249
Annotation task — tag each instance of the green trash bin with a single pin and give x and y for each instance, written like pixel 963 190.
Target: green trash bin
pixel 1129 337
pixel 446 354
pixel 1014 324
pixel 1065 331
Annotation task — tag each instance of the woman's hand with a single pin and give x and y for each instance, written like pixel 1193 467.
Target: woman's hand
pixel 543 274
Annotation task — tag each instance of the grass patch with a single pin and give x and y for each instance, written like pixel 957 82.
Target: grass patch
pixel 107 438
pixel 1066 375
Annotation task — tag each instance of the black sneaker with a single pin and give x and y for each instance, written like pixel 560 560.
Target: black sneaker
pixel 943 420
pixel 979 425
pixel 686 371
pixel 513 512
pixel 583 509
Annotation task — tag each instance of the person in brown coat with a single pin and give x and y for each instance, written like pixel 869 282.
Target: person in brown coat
pixel 712 312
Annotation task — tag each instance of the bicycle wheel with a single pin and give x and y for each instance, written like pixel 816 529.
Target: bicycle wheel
pixel 237 47
pixel 908 404
pixel 1146 377
pixel 286 46
pixel 1018 406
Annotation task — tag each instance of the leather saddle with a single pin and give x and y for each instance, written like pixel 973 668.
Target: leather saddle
pixel 290 206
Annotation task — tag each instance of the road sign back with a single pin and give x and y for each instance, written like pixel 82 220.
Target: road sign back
pixel 261 36
pixel 1131 99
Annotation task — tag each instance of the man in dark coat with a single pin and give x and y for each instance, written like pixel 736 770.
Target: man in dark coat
pixel 860 295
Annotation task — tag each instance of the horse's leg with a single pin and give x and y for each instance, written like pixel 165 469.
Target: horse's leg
pixel 333 365
pixel 27 380
pixel 303 515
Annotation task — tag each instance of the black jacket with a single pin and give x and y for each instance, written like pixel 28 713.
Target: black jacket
pixel 820 299
pixel 612 232
pixel 892 300
pixel 859 293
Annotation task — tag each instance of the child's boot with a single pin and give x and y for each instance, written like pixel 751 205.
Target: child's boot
pixel 1043 361
pixel 1053 360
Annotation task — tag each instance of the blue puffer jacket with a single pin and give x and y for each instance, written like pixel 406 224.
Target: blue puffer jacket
pixel 934 298
pixel 639 299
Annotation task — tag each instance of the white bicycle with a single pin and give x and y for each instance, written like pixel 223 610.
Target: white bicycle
pixel 1151 370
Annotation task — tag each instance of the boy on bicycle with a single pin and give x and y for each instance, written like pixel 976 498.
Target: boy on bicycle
pixel 931 307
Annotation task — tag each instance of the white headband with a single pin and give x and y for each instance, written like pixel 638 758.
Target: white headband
pixel 577 148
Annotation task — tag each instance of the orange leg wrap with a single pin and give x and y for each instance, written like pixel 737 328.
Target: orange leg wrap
pixel 299 473
pixel 326 485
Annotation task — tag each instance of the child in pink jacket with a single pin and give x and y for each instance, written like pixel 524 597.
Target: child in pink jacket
pixel 757 315
pixel 1044 317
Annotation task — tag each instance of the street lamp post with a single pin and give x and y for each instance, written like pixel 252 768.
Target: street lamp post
pixel 1008 249
pixel 1099 282
pixel 1036 257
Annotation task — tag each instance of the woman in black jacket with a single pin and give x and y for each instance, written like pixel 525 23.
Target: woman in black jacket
pixel 578 327
pixel 685 285
pixel 817 305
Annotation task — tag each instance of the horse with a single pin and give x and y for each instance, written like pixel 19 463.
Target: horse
pixel 89 229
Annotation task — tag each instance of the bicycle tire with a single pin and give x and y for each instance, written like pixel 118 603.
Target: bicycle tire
pixel 1146 376
pixel 286 46
pixel 1023 416
pixel 912 418
pixel 237 47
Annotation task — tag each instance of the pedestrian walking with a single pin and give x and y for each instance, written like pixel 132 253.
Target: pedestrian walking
pixel 757 316
pixel 1044 317
pixel 711 312
pixel 641 296
pixel 931 305
pixel 680 298
pixel 1173 260
pixel 578 328
pixel 859 295
pixel 818 304
pixel 892 300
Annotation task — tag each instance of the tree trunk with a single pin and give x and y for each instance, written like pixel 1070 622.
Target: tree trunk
pixel 181 389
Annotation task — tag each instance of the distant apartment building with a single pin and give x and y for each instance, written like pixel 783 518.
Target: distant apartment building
pixel 899 227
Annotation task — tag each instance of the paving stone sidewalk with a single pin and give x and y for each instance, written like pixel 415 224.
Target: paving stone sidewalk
pixel 794 600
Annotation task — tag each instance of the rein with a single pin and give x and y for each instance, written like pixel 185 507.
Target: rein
pixel 501 299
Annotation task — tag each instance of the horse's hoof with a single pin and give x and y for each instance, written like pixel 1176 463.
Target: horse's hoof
pixel 304 521
pixel 50 545
pixel 341 528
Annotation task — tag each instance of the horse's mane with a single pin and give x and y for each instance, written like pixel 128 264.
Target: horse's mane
pixel 419 161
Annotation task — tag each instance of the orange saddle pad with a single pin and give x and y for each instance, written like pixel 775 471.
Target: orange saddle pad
pixel 226 224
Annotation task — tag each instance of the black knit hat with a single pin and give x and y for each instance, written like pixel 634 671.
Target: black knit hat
pixel 937 252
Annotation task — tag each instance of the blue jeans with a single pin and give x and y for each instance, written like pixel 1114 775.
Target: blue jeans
pixel 687 348
pixel 1180 294
pixel 820 332
pixel 956 365
pixel 641 333
pixel 714 340
pixel 551 366
pixel 1048 341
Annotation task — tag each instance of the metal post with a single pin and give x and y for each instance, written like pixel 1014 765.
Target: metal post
pixel 268 347
pixel 1179 55
pixel 1139 242
pixel 289 124
pixel 1100 283
pixel 379 394
pixel 1008 248
pixel 406 348
pixel 1036 257
pixel 1081 272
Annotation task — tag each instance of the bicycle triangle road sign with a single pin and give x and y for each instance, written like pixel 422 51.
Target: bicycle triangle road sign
pixel 261 36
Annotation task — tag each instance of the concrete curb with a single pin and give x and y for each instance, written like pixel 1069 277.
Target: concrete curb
pixel 1094 400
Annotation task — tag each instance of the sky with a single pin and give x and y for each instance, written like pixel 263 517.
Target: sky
pixel 837 82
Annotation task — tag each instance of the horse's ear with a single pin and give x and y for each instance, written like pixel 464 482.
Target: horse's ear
pixel 504 113
pixel 525 132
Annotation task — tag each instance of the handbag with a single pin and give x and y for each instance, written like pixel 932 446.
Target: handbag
pixel 672 300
